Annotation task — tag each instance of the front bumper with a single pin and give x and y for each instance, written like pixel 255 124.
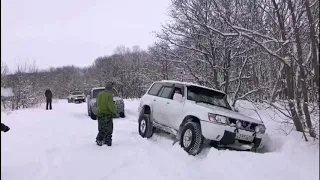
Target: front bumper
pixel 226 136
pixel 79 99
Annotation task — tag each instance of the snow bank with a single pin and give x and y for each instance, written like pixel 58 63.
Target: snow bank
pixel 279 127
pixel 6 92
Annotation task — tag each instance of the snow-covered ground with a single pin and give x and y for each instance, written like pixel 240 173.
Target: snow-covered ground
pixel 60 145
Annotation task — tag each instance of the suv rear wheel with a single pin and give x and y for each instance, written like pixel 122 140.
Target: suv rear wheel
pixel 191 139
pixel 93 116
pixel 145 126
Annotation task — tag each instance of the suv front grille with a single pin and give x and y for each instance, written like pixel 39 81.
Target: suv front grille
pixel 244 124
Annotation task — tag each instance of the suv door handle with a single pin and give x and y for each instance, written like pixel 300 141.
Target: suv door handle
pixel 168 103
pixel 154 99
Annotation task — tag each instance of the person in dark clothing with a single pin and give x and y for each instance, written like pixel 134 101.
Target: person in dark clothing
pixel 48 95
pixel 4 128
pixel 106 112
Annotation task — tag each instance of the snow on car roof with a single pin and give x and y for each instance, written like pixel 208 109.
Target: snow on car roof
pixel 98 88
pixel 190 84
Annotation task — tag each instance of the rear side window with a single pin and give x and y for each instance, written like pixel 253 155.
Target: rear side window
pixel 155 89
pixel 166 92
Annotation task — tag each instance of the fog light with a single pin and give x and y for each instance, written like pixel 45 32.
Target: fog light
pixel 238 124
pixel 262 129
pixel 257 129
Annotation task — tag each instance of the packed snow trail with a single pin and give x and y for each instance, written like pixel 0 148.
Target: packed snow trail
pixel 60 145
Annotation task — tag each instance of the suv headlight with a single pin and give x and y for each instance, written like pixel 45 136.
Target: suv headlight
pixel 217 118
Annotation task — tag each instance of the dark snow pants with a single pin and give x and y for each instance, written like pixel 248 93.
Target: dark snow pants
pixel 49 103
pixel 105 127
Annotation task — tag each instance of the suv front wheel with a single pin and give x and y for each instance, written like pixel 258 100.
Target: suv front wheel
pixel 145 126
pixel 191 139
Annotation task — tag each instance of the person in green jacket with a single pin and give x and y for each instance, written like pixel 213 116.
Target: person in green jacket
pixel 106 110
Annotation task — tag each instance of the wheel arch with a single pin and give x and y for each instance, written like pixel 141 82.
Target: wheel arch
pixel 188 118
pixel 145 109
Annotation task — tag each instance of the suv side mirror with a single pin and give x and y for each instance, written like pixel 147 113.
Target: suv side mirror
pixel 177 97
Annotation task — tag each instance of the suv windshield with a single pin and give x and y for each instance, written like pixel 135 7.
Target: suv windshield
pixel 76 93
pixel 96 92
pixel 207 96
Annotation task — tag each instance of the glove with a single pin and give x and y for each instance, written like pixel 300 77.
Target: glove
pixel 6 129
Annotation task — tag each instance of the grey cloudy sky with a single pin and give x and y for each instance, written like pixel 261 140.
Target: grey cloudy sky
pixel 65 32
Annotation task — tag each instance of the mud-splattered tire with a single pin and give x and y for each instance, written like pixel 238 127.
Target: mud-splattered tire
pixel 191 139
pixel 145 126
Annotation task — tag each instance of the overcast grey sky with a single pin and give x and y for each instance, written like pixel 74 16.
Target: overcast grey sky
pixel 65 32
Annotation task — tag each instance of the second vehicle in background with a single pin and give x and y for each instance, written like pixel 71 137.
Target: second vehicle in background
pixel 76 96
pixel 92 103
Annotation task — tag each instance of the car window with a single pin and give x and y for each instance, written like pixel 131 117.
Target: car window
pixel 166 92
pixel 96 92
pixel 177 90
pixel 203 95
pixel 155 89
pixel 76 93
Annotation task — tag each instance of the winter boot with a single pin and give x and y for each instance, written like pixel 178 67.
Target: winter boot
pixel 99 142
pixel 108 142
pixel 108 139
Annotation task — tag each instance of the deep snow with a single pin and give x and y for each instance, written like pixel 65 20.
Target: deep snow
pixel 60 145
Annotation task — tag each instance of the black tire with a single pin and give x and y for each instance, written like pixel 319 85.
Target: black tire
pixel 146 132
pixel 254 150
pixel 196 143
pixel 93 116
pixel 122 115
pixel 69 101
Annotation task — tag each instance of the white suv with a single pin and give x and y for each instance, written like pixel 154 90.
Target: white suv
pixel 76 96
pixel 193 113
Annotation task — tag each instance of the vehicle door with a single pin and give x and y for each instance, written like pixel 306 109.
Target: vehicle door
pixel 163 98
pixel 173 109
pixel 153 98
pixel 88 100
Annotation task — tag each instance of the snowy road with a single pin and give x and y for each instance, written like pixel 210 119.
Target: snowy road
pixel 60 145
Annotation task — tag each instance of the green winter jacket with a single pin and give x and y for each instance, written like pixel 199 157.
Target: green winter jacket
pixel 105 104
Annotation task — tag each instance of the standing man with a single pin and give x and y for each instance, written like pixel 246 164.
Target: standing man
pixel 48 95
pixel 106 110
